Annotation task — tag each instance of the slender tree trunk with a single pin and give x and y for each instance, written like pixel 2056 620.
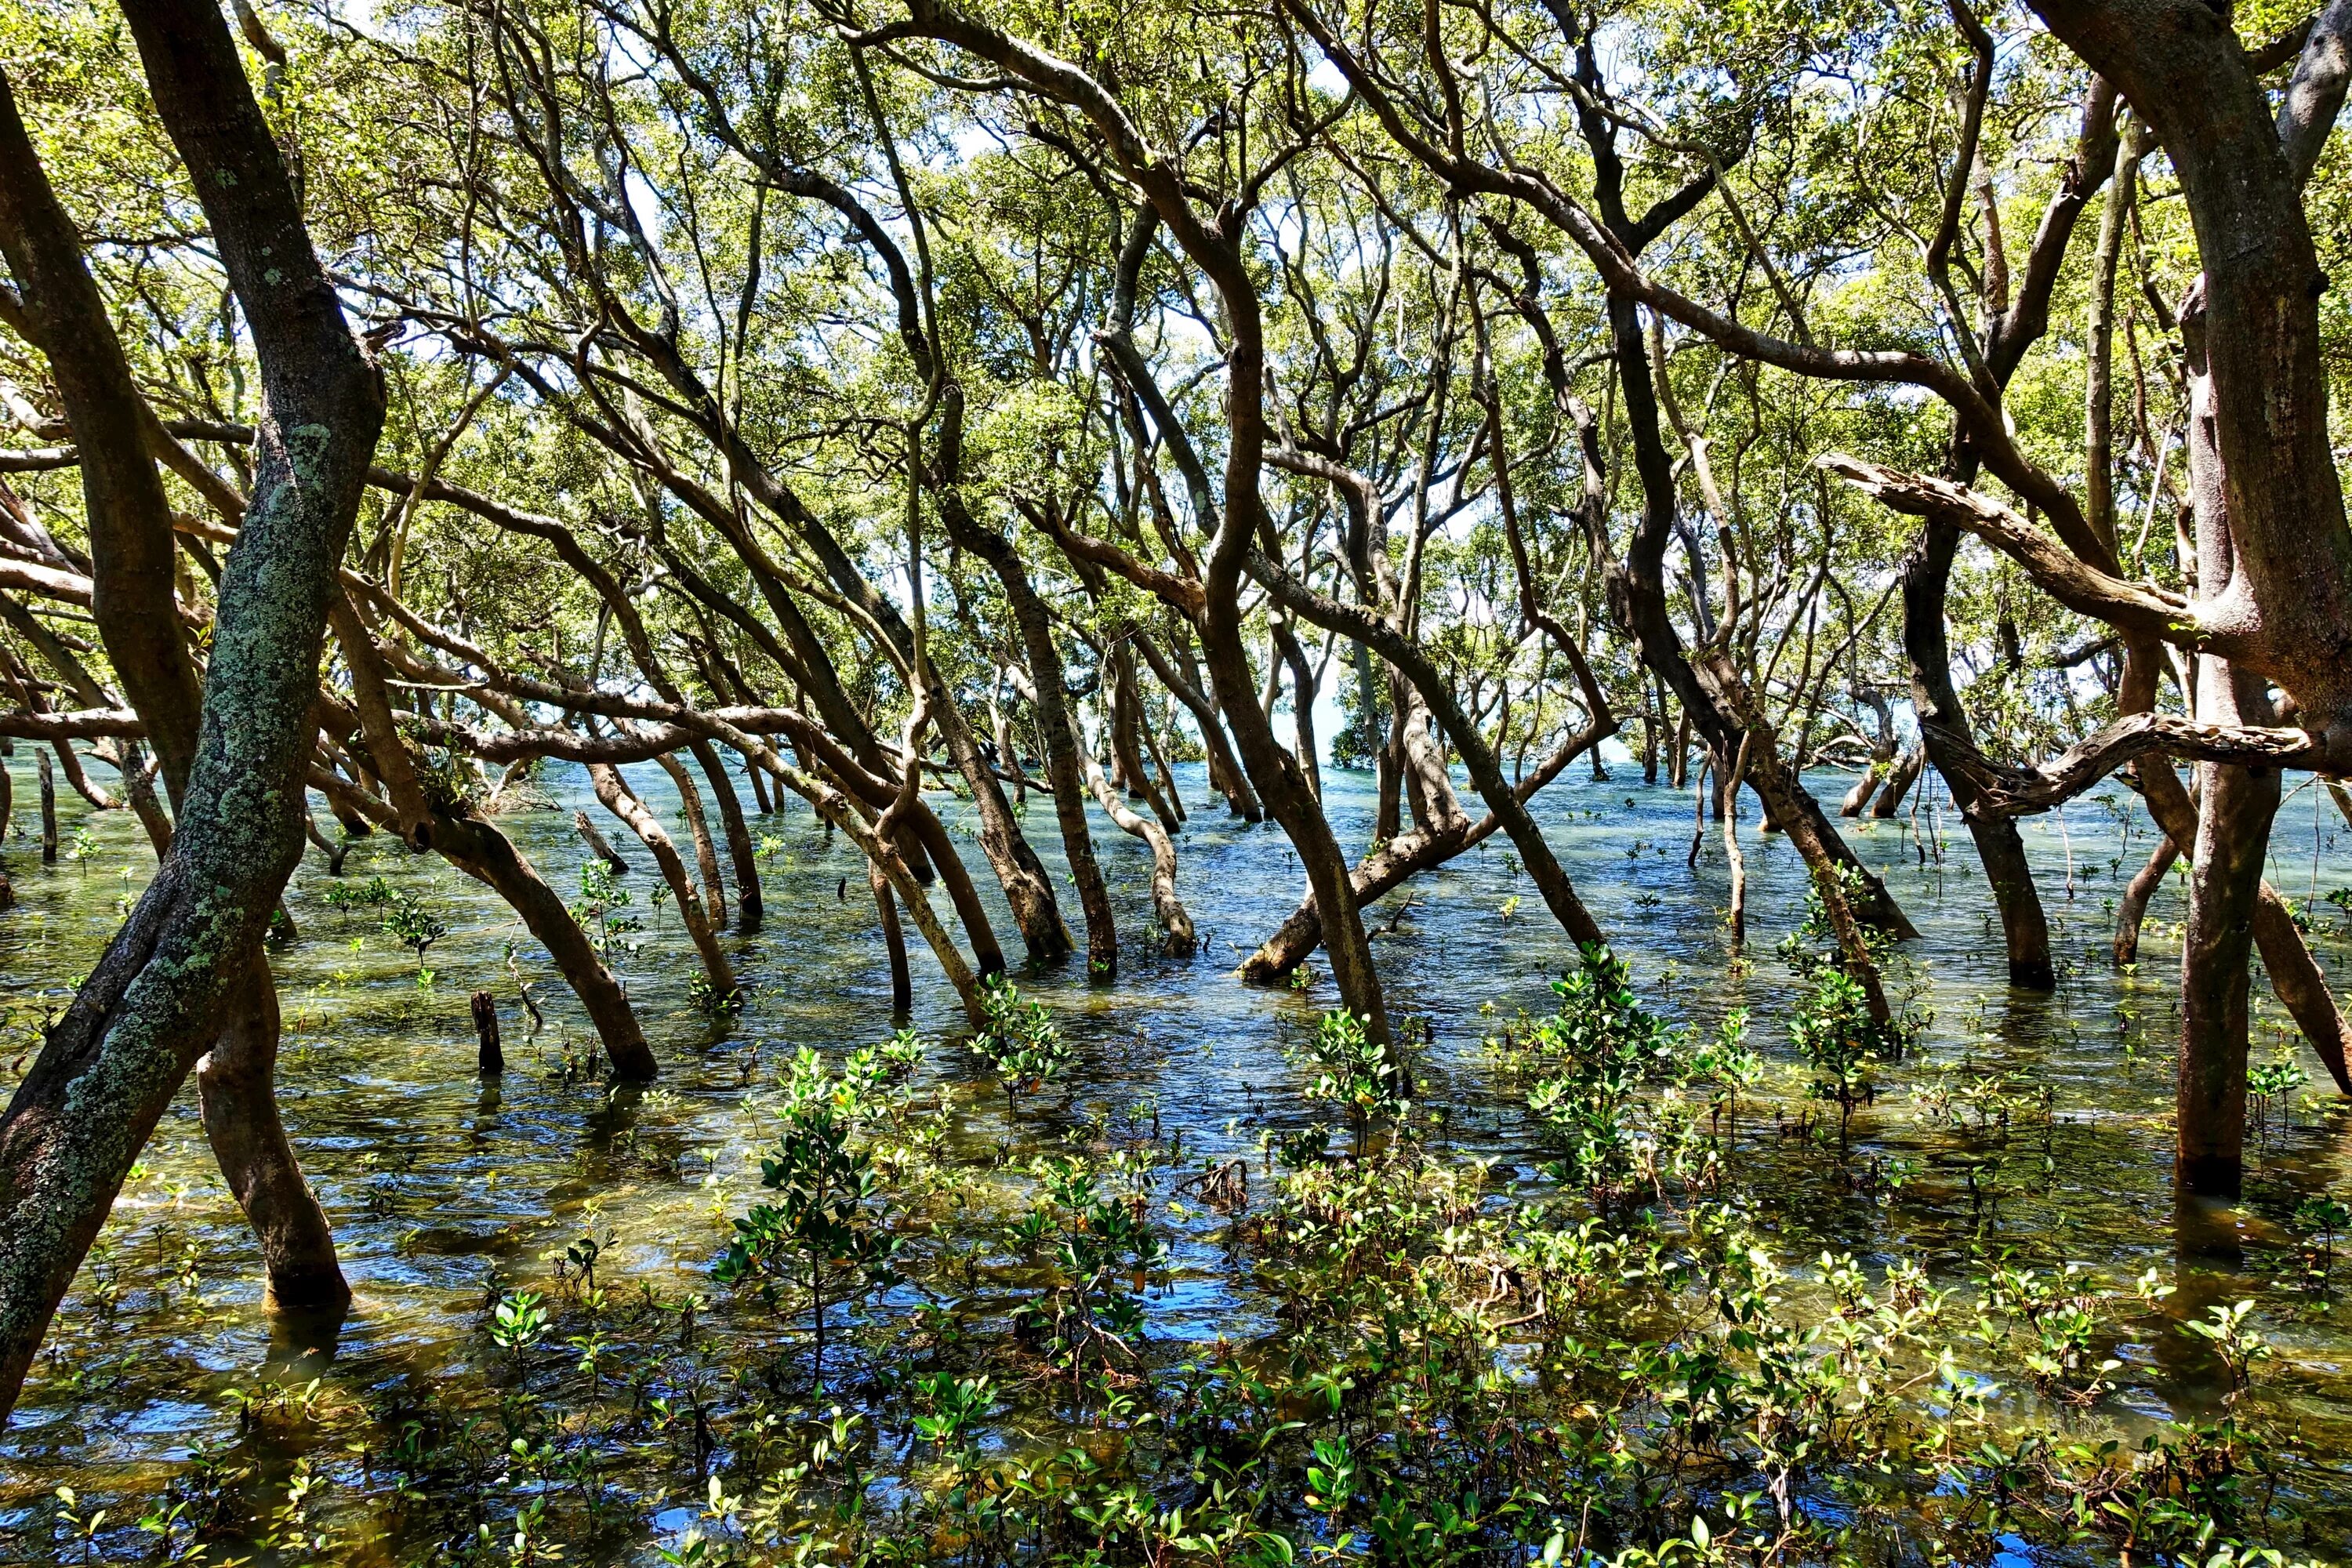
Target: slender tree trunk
pixel 1175 923
pixel 2133 909
pixel 760 792
pixel 1302 702
pixel 749 907
pixel 1026 887
pixel 236 1089
pixel 705 852
pixel 1226 773
pixel 1125 720
pixel 597 845
pixel 1649 736
pixel 894 942
pixel 1944 730
pixel 1764 769
pixel 1283 785
pixel 48 808
pixel 487 855
pixel 1387 819
pixel 623 802
pixel 1049 701
pixel 1731 853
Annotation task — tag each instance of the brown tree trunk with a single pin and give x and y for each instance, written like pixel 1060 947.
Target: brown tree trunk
pixel 1047 698
pixel 894 942
pixel 158 995
pixel 1944 730
pixel 1226 773
pixel 236 1091
pixel 623 802
pixel 1859 796
pixel 2132 908
pixel 597 845
pixel 1900 781
pixel 1175 923
pixel 133 558
pixel 1765 771
pixel 749 907
pixel 490 1054
pixel 487 855
pixel 705 852
pixel 1125 720
pixel 49 807
pixel 2225 883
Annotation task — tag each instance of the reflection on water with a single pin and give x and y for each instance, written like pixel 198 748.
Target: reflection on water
pixel 442 1187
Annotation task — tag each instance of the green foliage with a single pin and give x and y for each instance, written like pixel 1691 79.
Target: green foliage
pixel 1833 1029
pixel 1362 1077
pixel 825 1233
pixel 1018 1038
pixel 414 926
pixel 1596 1051
pixel 375 893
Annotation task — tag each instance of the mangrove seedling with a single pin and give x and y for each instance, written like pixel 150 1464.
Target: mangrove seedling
pixel 825 1233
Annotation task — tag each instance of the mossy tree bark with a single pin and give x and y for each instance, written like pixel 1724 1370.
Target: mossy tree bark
pixel 164 988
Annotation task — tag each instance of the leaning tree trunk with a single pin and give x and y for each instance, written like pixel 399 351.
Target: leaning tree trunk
pixel 750 909
pixel 1900 779
pixel 160 993
pixel 235 1091
pixel 487 855
pixel 1051 705
pixel 623 802
pixel 133 554
pixel 1944 730
pixel 698 826
pixel 1175 924
pixel 2132 910
pixel 1638 597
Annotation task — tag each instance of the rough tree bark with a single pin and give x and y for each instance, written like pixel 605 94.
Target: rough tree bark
pixel 162 989
pixel 132 557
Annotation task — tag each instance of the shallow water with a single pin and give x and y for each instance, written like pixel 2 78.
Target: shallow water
pixel 442 1190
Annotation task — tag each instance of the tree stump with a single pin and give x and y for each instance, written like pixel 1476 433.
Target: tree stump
pixel 596 845
pixel 491 1061
pixel 48 808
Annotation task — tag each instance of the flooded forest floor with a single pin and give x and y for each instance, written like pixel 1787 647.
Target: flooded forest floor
pixel 1628 1284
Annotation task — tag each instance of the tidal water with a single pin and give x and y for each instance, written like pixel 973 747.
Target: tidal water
pixel 443 1190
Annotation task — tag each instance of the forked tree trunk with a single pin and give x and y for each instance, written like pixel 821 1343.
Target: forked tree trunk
pixel 160 993
pixel 133 556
